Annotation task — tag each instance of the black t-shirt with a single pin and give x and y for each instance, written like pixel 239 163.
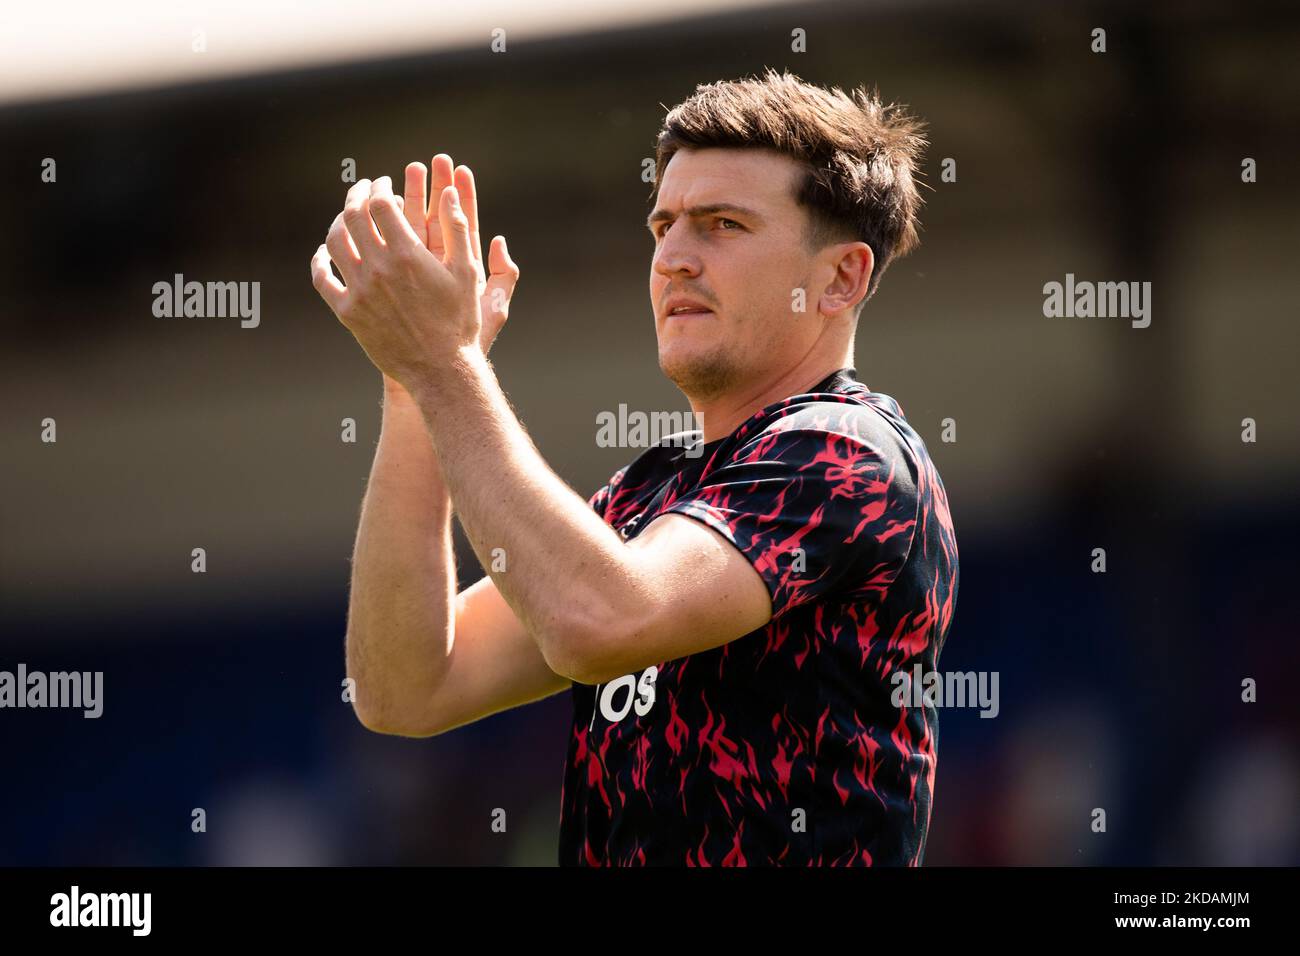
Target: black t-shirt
pixel 781 746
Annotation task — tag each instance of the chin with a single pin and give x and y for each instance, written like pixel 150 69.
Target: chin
pixel 698 373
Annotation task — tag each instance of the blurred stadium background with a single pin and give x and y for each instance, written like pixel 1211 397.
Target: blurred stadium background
pixel 222 690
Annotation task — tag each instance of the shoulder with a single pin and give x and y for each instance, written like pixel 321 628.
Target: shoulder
pixel 856 428
pixel 648 469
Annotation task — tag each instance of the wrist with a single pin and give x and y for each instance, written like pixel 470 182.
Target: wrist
pixel 395 392
pixel 448 375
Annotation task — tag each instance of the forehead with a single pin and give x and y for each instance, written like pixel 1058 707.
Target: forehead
pixel 759 178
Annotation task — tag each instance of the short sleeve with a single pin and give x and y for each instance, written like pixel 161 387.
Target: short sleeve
pixel 600 500
pixel 816 512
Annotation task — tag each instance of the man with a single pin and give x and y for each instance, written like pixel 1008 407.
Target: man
pixel 728 614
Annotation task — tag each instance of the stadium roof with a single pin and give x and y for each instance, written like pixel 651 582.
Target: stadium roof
pixel 76 47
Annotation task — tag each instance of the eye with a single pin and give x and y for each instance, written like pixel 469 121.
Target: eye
pixel 659 228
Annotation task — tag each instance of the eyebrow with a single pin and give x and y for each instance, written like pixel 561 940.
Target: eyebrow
pixel 659 215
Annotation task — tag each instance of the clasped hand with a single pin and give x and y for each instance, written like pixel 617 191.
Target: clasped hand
pixel 414 291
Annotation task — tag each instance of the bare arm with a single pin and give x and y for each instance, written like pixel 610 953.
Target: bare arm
pixel 597 606
pixel 400 625
pixel 593 605
pixel 425 659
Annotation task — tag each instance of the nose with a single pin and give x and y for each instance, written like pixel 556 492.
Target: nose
pixel 675 253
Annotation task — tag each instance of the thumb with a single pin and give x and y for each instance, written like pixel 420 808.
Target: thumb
pixel 494 306
pixel 455 233
pixel 503 275
pixel 502 269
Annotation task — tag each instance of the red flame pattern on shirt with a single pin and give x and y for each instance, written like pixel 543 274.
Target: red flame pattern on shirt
pixel 783 746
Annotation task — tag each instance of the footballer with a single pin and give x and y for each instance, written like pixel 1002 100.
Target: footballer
pixel 728 610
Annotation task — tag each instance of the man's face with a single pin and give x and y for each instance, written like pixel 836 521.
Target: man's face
pixel 729 235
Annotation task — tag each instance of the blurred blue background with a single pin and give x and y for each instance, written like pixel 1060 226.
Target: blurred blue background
pixel 222 690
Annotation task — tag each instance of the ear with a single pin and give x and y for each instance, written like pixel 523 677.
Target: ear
pixel 854 264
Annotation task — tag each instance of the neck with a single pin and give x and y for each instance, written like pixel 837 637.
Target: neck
pixel 720 416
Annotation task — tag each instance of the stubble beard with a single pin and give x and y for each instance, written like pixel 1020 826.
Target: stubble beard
pixel 702 378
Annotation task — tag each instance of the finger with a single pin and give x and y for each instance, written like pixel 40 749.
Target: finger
pixel 455 233
pixel 356 217
pixel 354 254
pixel 416 208
pixel 501 284
pixel 501 267
pixel 469 202
pixel 441 175
pixel 324 281
pixel 387 214
pixel 342 250
pixel 381 188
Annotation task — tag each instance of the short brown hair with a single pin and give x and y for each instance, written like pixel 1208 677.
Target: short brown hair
pixel 860 155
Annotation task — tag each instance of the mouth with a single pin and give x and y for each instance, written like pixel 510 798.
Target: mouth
pixel 687 312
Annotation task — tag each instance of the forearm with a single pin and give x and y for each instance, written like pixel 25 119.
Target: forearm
pixel 565 573
pixel 401 616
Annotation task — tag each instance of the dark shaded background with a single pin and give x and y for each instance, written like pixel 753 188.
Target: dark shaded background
pixel 222 690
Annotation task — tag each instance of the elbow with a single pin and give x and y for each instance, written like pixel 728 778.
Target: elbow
pixel 585 647
pixel 579 669
pixel 562 651
pixel 382 721
pixel 406 716
pixel 371 721
pixel 392 725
